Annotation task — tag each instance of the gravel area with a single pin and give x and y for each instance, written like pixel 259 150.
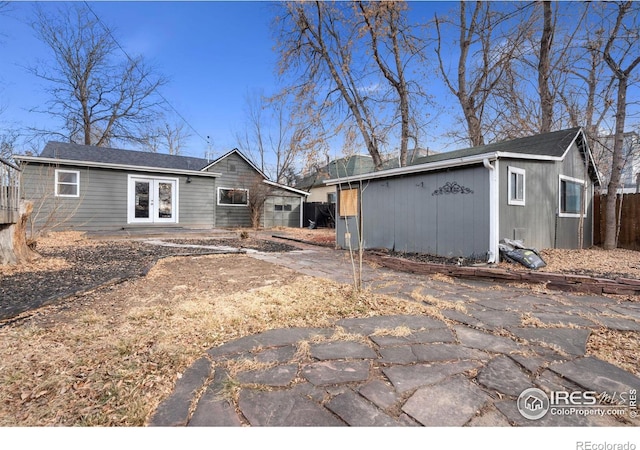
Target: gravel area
pixel 85 265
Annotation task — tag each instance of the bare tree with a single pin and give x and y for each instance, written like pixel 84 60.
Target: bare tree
pixel 167 138
pixel 621 55
pixel 544 68
pixel 480 40
pixel 258 193
pixel 316 42
pixel 8 141
pixel 550 51
pixel 393 46
pixel 272 138
pixel 97 100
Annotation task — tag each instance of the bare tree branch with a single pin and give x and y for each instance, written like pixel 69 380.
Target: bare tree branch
pixel 97 99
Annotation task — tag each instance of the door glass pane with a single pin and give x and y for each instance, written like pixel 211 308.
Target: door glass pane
pixel 165 198
pixel 142 200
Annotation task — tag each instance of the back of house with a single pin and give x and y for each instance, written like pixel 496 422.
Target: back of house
pixel 88 188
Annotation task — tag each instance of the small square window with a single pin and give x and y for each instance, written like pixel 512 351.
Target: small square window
pixel 67 183
pixel 516 186
pixel 287 207
pixel 278 207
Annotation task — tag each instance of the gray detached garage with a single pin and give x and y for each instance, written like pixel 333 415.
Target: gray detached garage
pixel 537 189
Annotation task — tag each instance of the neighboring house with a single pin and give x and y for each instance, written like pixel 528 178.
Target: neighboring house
pixel 314 181
pixel 461 203
pixel 91 188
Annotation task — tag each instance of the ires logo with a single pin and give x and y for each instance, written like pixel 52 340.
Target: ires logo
pixel 534 403
pixel 577 398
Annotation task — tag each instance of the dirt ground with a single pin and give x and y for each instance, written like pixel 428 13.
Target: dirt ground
pixel 108 356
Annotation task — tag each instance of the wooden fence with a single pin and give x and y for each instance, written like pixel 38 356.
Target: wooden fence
pixel 629 237
pixel 9 192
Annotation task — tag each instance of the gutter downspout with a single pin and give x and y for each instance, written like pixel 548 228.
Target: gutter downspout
pixel 494 213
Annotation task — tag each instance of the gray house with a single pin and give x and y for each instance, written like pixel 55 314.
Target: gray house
pixel 87 188
pixel 537 189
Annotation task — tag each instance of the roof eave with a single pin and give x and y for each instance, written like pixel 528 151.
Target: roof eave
pixel 71 162
pixel 287 188
pixel 407 170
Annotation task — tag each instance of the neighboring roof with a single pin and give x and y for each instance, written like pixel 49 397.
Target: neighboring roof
pixel 241 155
pixel 91 153
pixel 548 146
pixel 343 167
pixel 338 168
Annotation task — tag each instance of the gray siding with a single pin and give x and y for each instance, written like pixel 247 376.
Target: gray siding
pixel 537 223
pixel 103 202
pixel 413 214
pixel 281 217
pixel 236 173
pixel 574 166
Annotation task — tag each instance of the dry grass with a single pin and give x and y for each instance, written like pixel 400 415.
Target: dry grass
pixel 110 360
pixel 324 236
pixel 619 348
pixel 439 303
pixel 594 261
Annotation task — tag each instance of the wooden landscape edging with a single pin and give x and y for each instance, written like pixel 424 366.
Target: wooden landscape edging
pixel 556 281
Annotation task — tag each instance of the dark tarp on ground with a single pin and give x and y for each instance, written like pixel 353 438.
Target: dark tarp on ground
pixel 515 251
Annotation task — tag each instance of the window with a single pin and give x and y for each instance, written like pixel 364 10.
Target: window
pixel 67 183
pixel 282 207
pixel 516 186
pixel 570 196
pixel 331 198
pixel 235 197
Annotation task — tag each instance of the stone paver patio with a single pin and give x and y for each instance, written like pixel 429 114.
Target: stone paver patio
pixel 466 370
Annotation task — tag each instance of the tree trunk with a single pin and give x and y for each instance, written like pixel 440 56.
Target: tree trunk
pixel 610 241
pixel 13 239
pixel 544 71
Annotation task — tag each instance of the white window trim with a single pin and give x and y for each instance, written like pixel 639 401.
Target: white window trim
pixel 574 180
pixel 57 183
pixel 231 204
pixel 513 201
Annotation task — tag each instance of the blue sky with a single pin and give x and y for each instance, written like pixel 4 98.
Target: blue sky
pixel 212 53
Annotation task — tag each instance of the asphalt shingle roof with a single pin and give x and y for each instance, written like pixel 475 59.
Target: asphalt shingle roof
pixel 553 144
pixel 105 155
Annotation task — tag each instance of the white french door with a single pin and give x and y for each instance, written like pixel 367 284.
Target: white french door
pixel 152 200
